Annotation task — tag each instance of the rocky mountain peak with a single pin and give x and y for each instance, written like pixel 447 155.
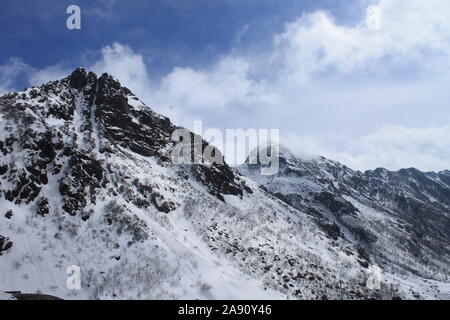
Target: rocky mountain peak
pixel 78 78
pixel 69 130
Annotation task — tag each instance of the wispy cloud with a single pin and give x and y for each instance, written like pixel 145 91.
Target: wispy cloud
pixel 392 147
pixel 101 9
pixel 40 76
pixel 10 73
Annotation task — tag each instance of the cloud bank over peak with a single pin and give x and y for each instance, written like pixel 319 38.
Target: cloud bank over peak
pixel 392 147
pixel 120 61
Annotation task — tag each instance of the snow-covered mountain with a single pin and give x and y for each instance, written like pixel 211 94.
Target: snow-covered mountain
pixel 401 219
pixel 86 179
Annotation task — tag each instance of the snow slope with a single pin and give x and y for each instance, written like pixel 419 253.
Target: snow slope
pixel 400 220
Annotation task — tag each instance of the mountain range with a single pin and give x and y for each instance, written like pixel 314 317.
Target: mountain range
pixel 87 180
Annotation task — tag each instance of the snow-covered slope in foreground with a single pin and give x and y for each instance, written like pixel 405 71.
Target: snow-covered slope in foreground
pixel 86 179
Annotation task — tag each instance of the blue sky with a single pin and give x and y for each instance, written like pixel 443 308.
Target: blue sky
pixel 312 68
pixel 168 33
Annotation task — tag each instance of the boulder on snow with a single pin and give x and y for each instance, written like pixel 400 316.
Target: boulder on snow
pixel 43 207
pixel 5 244
pixel 161 204
pixel 17 295
pixel 9 214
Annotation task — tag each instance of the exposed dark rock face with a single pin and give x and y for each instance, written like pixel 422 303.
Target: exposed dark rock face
pixel 3 169
pixel 335 204
pixel 83 178
pixel 332 229
pixel 78 79
pixel 117 121
pixel 220 179
pixel 96 117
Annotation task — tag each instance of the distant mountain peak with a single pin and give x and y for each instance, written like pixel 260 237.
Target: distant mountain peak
pixel 365 205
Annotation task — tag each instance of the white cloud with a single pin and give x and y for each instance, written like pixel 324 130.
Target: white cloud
pixel 15 69
pixel 227 83
pixel 392 147
pixel 102 9
pixel 411 31
pixel 10 72
pixel 41 76
pixel 315 54
pixel 184 94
